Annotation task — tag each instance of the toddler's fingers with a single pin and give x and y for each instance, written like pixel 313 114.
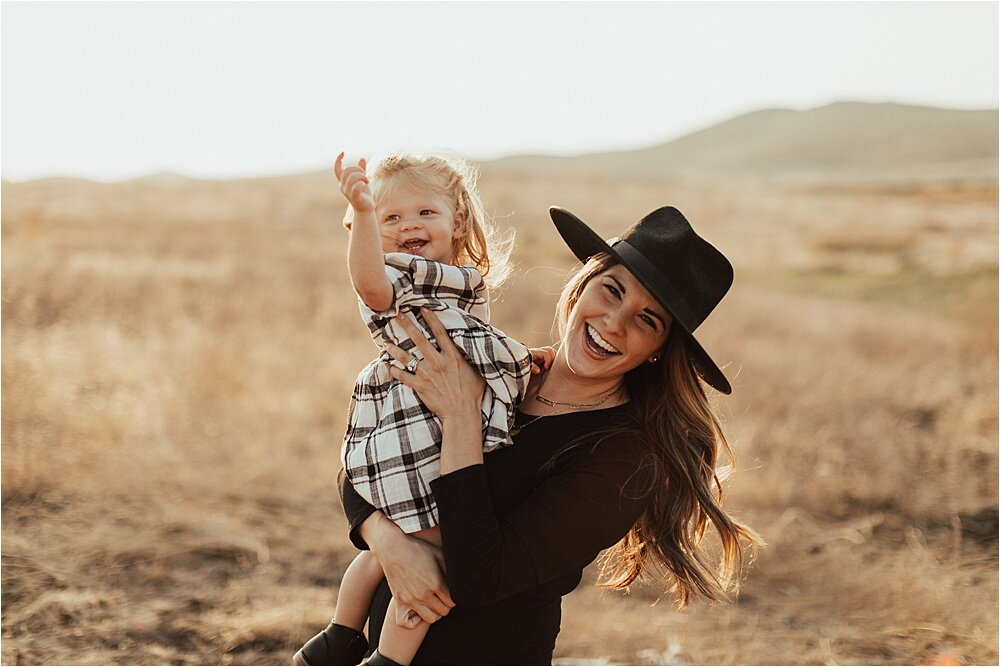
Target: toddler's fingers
pixel 338 166
pixel 358 189
pixel 352 177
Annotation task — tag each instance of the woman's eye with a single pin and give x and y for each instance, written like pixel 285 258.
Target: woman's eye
pixel 649 321
pixel 613 290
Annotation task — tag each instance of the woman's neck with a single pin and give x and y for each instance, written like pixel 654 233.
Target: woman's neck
pixel 560 389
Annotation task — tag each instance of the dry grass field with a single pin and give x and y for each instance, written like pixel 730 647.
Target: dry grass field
pixel 178 357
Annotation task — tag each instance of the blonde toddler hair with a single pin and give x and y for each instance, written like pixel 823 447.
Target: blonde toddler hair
pixel 479 244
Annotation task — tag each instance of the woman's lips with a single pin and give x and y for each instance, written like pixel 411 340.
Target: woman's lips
pixel 591 346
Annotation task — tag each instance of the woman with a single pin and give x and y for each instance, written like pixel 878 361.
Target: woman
pixel 615 446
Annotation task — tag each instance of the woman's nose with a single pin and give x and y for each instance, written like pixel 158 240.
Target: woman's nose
pixel 615 321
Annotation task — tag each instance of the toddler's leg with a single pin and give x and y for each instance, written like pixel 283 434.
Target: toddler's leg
pixel 400 643
pixel 342 642
pixel 362 577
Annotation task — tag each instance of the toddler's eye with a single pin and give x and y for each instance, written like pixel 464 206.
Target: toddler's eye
pixel 391 218
pixel 426 211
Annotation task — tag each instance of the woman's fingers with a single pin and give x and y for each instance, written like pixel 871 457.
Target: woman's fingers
pixel 425 613
pixel 440 333
pixel 417 336
pixel 407 618
pixel 431 610
pixel 411 619
pixel 398 353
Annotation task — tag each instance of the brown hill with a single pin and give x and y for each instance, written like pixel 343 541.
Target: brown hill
pixel 845 141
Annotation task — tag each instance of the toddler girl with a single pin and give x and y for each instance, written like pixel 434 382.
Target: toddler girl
pixel 419 238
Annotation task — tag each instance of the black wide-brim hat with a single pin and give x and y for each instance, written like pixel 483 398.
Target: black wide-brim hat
pixel 685 273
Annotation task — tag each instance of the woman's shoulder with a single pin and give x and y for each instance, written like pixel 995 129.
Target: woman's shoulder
pixel 610 433
pixel 608 443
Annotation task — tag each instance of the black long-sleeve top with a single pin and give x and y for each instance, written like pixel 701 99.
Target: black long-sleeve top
pixel 517 534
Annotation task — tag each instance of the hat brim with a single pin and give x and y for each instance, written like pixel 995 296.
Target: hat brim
pixel 585 243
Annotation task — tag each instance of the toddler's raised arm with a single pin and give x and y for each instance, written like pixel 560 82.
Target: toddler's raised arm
pixel 364 255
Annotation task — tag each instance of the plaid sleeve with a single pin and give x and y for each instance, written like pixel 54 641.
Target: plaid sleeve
pixel 420 282
pixel 397 270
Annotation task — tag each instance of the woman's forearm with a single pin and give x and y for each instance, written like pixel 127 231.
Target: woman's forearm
pixel 378 532
pixel 461 441
pixel 413 568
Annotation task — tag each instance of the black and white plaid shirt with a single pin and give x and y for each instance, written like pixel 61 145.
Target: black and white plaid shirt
pixel 392 448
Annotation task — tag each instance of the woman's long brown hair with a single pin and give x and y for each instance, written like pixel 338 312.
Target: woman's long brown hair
pixel 673 416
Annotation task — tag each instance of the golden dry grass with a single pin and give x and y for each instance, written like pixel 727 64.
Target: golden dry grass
pixel 178 356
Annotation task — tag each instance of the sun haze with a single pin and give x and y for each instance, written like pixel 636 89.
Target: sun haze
pixel 221 90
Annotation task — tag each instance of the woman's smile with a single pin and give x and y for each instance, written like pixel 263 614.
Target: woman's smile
pixel 596 343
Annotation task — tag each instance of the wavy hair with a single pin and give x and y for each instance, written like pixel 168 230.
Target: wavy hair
pixel 479 244
pixel 672 416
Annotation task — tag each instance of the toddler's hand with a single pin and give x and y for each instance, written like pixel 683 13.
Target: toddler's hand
pixel 354 185
pixel 541 359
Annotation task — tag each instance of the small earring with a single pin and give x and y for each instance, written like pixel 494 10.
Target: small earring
pixel 653 359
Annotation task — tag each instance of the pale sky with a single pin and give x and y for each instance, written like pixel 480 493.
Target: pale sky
pixel 221 90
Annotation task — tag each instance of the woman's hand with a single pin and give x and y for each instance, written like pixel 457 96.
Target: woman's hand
pixel 449 387
pixel 413 568
pixel 354 185
pixel 444 380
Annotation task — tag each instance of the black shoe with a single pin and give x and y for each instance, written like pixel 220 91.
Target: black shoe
pixel 377 658
pixel 337 645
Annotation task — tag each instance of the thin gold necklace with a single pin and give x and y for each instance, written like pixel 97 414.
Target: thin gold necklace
pixel 514 430
pixel 552 404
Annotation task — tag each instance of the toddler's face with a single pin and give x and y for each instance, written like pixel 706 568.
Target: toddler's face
pixel 418 222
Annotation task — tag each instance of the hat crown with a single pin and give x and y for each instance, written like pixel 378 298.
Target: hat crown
pixel 697 272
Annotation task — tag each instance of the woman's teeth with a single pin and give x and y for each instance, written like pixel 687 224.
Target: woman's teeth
pixel 599 342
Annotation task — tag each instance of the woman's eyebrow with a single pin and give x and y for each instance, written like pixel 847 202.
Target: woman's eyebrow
pixel 655 314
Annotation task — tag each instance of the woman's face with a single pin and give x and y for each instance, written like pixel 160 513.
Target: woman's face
pixel 615 326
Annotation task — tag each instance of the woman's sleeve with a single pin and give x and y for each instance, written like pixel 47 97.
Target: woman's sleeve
pixel 562 526
pixel 356 509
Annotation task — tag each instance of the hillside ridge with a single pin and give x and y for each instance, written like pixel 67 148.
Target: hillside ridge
pixel 837 141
